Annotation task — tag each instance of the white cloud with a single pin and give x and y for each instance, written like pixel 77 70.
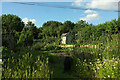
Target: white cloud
pixel 104 5
pixel 99 4
pixel 96 4
pixel 90 11
pixel 33 20
pixel 93 15
pixel 25 20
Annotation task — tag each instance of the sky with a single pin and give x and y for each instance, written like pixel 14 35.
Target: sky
pixel 92 11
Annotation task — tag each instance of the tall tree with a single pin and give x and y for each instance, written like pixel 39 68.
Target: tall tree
pixel 31 26
pixel 11 24
pixel 68 26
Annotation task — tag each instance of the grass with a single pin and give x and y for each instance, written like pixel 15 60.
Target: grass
pixel 58 67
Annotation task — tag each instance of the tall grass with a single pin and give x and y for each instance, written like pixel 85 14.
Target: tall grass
pixel 26 66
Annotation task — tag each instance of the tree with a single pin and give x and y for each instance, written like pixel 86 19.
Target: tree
pixel 31 26
pixel 68 26
pixel 11 24
pixel 26 38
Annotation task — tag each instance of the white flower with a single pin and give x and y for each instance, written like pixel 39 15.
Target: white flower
pixel 90 63
pixel 108 75
pixel 98 68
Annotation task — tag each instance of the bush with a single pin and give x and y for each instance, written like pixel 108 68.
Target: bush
pixel 6 52
pixel 84 53
pixel 53 47
pixel 38 46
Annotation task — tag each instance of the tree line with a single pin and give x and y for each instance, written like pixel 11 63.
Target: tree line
pixel 15 34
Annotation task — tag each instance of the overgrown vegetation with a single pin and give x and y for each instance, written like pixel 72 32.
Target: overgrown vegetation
pixel 23 57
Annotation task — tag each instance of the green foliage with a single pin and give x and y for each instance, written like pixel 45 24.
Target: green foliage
pixel 38 46
pixel 90 33
pixel 68 26
pixel 87 62
pixel 11 23
pixel 26 38
pixel 102 62
pixel 26 66
pixel 33 29
pixel 53 47
pixel 107 68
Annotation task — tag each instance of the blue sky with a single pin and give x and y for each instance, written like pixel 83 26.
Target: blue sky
pixel 41 14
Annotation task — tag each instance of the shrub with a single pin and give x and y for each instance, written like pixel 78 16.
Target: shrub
pixel 53 47
pixel 38 46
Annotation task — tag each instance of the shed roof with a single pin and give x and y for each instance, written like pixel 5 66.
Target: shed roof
pixel 64 34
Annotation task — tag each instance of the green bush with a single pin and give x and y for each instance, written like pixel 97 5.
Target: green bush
pixel 84 53
pixel 38 46
pixel 53 47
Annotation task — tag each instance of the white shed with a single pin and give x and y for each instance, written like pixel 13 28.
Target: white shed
pixel 66 38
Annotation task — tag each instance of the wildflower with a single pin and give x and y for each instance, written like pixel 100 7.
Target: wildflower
pixel 38 77
pixel 84 59
pixel 98 68
pixel 35 71
pixel 95 46
pixel 117 46
pixel 113 55
pixel 108 75
pixel 105 60
pixel 116 62
pixel 103 45
pixel 92 46
pixel 95 71
pixel 97 57
pixel 36 62
pixel 90 63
